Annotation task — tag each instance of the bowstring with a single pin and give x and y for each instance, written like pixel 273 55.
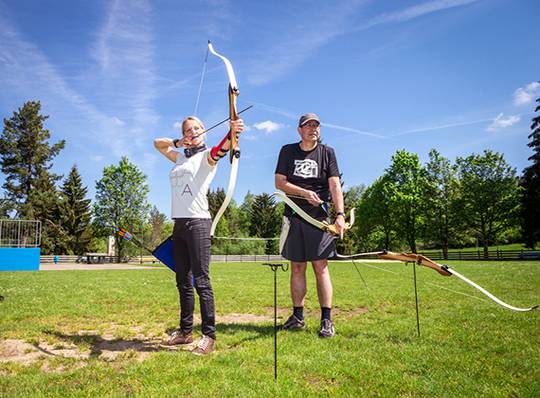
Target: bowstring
pixel 201 83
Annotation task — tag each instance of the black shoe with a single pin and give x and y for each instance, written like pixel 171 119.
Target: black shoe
pixel 327 329
pixel 293 323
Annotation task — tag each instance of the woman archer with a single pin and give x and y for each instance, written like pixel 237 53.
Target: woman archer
pixel 190 178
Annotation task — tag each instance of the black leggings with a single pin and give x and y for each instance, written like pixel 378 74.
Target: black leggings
pixel 191 251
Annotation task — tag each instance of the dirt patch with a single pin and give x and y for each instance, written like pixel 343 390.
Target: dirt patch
pixel 284 312
pixel 106 346
pixel 84 345
pixel 356 311
pixel 243 318
pixel 19 351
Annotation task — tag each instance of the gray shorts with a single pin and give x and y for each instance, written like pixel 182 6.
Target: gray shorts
pixel 302 241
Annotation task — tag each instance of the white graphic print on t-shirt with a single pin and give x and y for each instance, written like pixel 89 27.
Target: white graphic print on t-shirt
pixel 306 168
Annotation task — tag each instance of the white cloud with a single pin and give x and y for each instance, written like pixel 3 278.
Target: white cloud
pixel 352 130
pixel 292 116
pixel 268 126
pixel 125 52
pixel 297 41
pixel 418 10
pixel 502 122
pixel 278 59
pixel 527 94
pixel 118 121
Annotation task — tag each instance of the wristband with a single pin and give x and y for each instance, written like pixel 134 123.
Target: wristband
pixel 175 142
pixel 340 213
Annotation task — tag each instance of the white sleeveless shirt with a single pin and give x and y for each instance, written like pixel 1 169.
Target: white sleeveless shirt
pixel 190 180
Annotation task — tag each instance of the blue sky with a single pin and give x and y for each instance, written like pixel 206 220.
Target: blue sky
pixel 456 75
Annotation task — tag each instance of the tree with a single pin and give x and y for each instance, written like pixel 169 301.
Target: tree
pixel 530 184
pixel 488 195
pixel 75 213
pixel 405 189
pixel 26 155
pixel 376 222
pixel 158 223
pixel 215 199
pixel 245 212
pixel 44 204
pixel 264 220
pixel 352 199
pixel 120 201
pixel 5 208
pixel 441 194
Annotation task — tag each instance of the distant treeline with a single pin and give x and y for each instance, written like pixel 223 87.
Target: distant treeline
pixel 476 200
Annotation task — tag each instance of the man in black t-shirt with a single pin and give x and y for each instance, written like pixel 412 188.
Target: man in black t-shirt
pixel 308 173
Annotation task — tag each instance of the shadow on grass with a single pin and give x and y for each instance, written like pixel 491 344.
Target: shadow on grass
pixel 99 345
pixel 253 331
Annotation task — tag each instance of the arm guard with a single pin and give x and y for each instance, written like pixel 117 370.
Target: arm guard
pixel 217 151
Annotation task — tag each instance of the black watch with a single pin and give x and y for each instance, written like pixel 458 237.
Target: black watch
pixel 340 213
pixel 175 141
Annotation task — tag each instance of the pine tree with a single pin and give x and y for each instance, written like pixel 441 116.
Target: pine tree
pixel 26 158
pixel 75 213
pixel 26 155
pixel 530 182
pixel 264 223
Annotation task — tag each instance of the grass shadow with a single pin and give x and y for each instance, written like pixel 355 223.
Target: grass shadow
pixel 254 331
pixel 98 344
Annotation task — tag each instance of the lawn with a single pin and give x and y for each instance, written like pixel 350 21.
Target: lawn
pixel 97 333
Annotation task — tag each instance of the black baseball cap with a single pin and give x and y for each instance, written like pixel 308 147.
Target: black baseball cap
pixel 308 117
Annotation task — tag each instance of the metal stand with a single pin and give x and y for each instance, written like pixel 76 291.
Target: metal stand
pixel 274 267
pixel 416 300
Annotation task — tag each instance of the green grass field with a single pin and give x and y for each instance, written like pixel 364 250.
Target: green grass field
pixel 96 333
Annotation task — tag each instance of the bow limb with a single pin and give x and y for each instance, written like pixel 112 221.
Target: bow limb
pixel 331 228
pixel 447 271
pixel 298 210
pixel 484 291
pixel 444 270
pixel 228 196
pixel 228 66
pixel 234 151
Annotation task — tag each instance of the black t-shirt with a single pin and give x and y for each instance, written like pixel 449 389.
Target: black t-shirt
pixel 309 170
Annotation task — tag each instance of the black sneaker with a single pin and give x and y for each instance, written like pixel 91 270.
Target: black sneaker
pixel 327 329
pixel 293 323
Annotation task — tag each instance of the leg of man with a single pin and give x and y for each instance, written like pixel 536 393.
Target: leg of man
pixel 324 291
pixel 298 295
pixel 298 283
pixel 324 283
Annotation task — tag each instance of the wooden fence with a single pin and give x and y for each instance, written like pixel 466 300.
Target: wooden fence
pixel 492 255
pixel 495 255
